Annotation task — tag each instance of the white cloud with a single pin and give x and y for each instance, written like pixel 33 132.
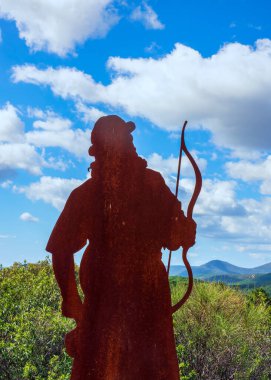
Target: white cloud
pixel 38 113
pixel 146 15
pixel 221 215
pixel 217 198
pixel 265 187
pixel 228 93
pixel 250 247
pixel 64 81
pixel 52 190
pixel 18 148
pixel 11 128
pixel 252 227
pixel 6 184
pixel 15 152
pixel 250 171
pixel 74 141
pixel 58 163
pixel 256 27
pixel 51 130
pixel 259 170
pixel 89 114
pixel 20 156
pixel 152 48
pixel 57 26
pixel 53 124
pixel 218 211
pixel 168 167
pixel 27 217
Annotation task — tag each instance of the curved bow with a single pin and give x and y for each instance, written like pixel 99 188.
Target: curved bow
pixel 196 192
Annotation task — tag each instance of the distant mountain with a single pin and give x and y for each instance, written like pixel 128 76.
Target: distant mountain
pixel 264 269
pixel 176 270
pixel 217 268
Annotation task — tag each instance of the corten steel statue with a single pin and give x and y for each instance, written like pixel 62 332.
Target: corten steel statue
pixel 126 214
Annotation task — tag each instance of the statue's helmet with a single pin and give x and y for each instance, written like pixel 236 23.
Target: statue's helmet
pixel 111 133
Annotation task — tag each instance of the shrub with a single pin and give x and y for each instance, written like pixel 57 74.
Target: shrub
pixel 223 336
pixel 31 327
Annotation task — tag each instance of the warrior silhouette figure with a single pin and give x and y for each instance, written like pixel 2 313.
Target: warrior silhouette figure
pixel 126 214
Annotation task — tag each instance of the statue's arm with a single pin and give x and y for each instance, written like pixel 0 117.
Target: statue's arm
pixel 64 270
pixel 68 237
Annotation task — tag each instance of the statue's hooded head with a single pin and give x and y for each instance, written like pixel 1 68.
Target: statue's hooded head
pixel 111 135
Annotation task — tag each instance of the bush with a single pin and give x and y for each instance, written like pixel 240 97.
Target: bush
pixel 32 329
pixel 221 334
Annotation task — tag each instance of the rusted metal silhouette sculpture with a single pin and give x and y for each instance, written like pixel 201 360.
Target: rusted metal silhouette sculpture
pixel 127 213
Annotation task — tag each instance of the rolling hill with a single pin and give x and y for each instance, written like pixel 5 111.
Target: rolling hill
pixel 216 268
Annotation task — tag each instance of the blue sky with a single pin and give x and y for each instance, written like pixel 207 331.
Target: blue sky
pixel 63 64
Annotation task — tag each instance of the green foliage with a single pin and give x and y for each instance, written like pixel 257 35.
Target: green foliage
pixel 246 282
pixel 220 332
pixel 32 329
pixel 259 296
pixel 222 335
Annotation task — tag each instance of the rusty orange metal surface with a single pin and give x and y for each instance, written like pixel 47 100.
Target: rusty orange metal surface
pixel 124 215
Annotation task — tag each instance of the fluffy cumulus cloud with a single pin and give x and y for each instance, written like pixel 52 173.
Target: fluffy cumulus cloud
pixel 252 171
pixel 218 198
pixel 168 167
pixel 88 114
pixel 26 150
pixel 15 151
pixel 12 128
pixel 220 214
pixel 255 227
pixel 27 217
pixel 20 156
pixel 228 93
pixel 147 16
pixel 51 130
pixel 66 82
pixel 57 26
pixel 52 190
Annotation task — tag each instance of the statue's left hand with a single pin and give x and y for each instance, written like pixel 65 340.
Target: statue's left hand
pixel 72 308
pixel 71 342
pixel 190 233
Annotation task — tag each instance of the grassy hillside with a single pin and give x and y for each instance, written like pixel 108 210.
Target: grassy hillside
pixel 220 332
pixel 245 282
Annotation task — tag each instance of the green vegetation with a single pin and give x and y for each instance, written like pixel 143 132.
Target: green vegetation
pixel 31 327
pixel 220 332
pixel 245 282
pixel 223 334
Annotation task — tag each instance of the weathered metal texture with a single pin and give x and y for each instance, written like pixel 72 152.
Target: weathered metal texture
pixel 127 214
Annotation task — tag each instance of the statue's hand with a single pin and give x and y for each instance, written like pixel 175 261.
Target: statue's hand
pixel 72 342
pixel 190 233
pixel 72 308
